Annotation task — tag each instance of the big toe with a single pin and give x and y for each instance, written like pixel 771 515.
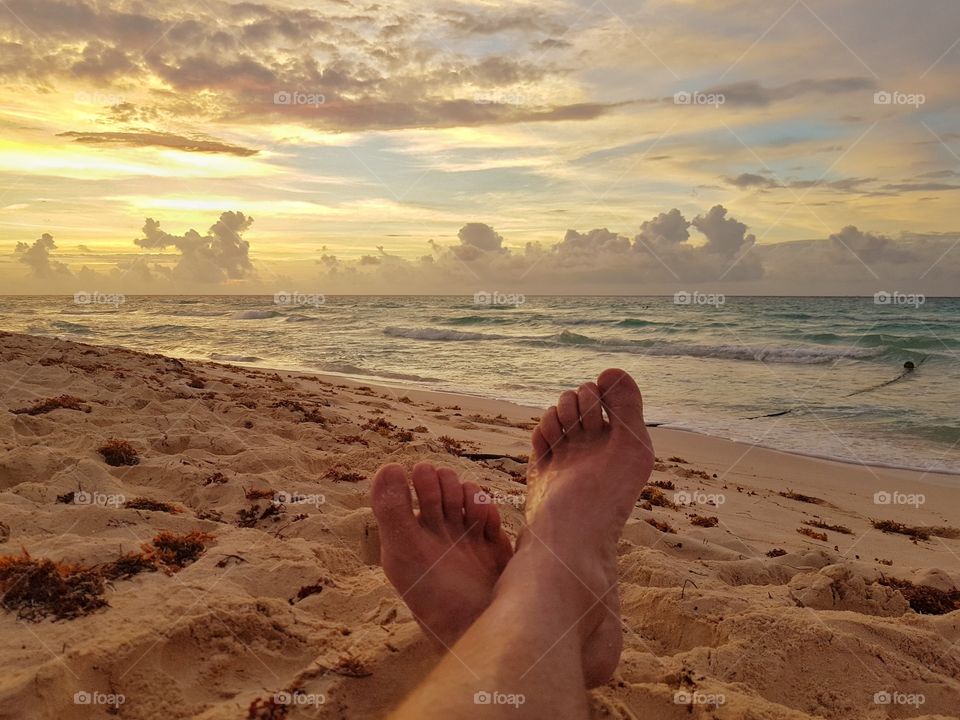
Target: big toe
pixel 391 501
pixel 621 398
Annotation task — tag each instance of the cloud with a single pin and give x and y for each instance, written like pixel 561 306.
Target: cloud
pixel 477 239
pixel 220 255
pixel 751 180
pixel 371 74
pixel 665 229
pixel 851 244
pixel 725 236
pixel 37 256
pixel 752 93
pixel 159 139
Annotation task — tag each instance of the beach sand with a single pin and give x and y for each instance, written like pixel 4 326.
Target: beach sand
pixel 742 610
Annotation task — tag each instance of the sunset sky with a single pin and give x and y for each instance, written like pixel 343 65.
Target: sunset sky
pixel 450 146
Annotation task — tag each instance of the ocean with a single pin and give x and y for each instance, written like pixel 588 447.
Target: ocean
pixel 820 376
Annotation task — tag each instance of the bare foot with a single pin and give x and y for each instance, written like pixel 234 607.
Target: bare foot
pixel 586 473
pixel 447 584
pixel 445 560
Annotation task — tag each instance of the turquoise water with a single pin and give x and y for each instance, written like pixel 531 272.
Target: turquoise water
pixel 703 367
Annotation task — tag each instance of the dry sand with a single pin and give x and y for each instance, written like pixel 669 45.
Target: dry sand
pixel 296 599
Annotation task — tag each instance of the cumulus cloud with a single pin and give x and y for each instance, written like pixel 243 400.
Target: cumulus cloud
pixel 37 257
pixel 477 239
pixel 220 255
pixel 665 229
pixel 713 252
pixel 851 244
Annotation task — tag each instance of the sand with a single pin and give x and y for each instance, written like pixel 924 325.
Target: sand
pixel 295 599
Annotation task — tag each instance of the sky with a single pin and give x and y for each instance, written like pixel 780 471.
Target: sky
pixel 568 147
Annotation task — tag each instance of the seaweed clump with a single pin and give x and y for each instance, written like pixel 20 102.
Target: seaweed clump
pixel 119 452
pixel 36 589
pixel 65 402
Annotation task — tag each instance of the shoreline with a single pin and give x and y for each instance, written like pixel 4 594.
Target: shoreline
pixel 381 384
pixel 384 383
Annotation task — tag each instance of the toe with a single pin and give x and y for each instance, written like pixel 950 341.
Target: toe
pixel 539 445
pixel 491 530
pixel 622 400
pixel 452 493
pixel 427 484
pixel 476 505
pixel 391 501
pixel 591 413
pixel 551 428
pixel 568 412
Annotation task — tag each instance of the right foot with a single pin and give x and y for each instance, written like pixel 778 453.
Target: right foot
pixel 585 475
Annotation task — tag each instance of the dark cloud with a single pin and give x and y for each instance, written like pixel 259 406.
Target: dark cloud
pixel 752 93
pixel 851 244
pixel 37 256
pixel 601 240
pixel 725 235
pixel 668 228
pixel 220 255
pixel 157 139
pixel 751 180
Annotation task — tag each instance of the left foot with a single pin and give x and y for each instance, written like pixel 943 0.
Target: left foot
pixel 445 560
